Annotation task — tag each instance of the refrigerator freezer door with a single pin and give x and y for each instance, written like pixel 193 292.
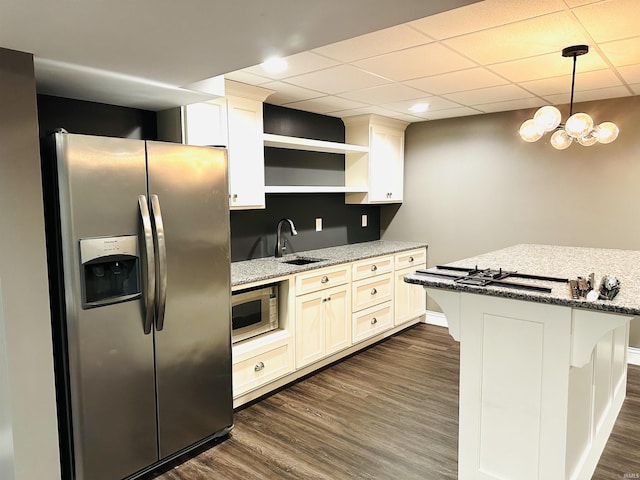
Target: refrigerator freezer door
pixel 193 349
pixel 110 366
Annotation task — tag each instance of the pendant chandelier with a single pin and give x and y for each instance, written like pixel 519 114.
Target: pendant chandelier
pixel 579 126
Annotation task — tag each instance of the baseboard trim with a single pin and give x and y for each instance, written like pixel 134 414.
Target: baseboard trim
pixel 437 318
pixel 633 356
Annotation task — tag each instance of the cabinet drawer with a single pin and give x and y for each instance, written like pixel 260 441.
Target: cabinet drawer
pixel 371 321
pixel 372 267
pixel 372 291
pixel 319 279
pixel 411 258
pixel 262 368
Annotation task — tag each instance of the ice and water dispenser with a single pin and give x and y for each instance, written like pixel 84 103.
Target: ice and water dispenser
pixel 110 270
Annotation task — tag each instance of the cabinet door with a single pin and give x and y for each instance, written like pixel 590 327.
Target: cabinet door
pixel 337 319
pixel 205 124
pixel 246 153
pixel 410 300
pixel 309 328
pixel 386 164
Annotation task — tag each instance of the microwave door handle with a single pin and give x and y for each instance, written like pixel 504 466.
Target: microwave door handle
pixel 161 283
pixel 150 264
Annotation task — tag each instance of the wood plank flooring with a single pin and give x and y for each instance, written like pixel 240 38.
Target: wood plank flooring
pixel 389 412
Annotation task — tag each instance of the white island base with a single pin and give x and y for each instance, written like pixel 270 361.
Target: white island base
pixel 541 385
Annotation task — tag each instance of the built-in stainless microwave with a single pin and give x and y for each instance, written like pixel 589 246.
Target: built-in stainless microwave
pixel 254 312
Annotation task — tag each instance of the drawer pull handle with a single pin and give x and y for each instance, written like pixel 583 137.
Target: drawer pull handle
pixel 259 366
pixel 373 291
pixel 373 268
pixel 374 320
pixel 328 299
pixel 410 259
pixel 324 279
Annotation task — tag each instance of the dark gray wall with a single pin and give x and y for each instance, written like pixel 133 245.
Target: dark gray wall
pixel 29 446
pixel 91 118
pixel 472 186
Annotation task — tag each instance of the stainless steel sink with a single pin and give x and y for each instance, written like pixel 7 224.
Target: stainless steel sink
pixel 302 261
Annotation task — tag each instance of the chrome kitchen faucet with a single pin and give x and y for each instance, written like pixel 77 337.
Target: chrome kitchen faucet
pixel 281 244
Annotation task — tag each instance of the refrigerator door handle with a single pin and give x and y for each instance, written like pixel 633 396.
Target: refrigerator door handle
pixel 161 283
pixel 149 294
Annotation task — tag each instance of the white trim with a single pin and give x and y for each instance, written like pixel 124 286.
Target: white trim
pixel 436 318
pixel 633 356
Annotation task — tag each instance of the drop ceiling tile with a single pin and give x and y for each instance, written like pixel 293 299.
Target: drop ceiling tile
pixel 630 73
pixel 243 76
pixel 299 64
pixel 415 62
pixel 393 92
pixel 488 95
pixel 368 109
pixel 286 93
pixel 435 103
pixel 483 15
pixel 611 20
pixel 511 105
pixel 588 95
pixel 578 3
pixel 325 104
pixel 623 52
pixel 636 88
pixel 457 81
pixel 376 43
pixel 449 113
pixel 547 66
pixel 343 78
pixel 584 81
pixel 536 36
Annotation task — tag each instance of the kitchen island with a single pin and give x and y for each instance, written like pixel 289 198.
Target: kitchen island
pixel 542 374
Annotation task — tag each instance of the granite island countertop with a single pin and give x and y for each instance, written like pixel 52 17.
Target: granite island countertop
pixel 250 271
pixel 554 261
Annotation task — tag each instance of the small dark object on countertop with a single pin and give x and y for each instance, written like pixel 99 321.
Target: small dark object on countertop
pixel 580 287
pixel 609 287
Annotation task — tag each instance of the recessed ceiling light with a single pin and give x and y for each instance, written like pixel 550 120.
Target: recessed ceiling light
pixel 419 107
pixel 275 65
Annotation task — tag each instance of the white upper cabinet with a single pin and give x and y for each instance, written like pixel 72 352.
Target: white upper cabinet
pixel 205 123
pixel 234 121
pixel 382 168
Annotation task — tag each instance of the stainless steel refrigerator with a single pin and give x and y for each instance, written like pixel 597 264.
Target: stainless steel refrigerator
pixel 140 281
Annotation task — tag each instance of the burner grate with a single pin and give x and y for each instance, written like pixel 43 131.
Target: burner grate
pixel 487 276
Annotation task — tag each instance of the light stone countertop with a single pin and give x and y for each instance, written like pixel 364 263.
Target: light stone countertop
pixel 260 269
pixel 554 261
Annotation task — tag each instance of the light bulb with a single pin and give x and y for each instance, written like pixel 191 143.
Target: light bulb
pixel 606 132
pixel 547 118
pixel 578 125
pixel 560 140
pixel 588 140
pixel 529 131
pixel 274 65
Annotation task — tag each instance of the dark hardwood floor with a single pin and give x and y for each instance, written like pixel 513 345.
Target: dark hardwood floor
pixel 389 412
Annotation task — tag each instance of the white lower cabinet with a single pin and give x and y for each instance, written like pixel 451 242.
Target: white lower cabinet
pixel 327 311
pixel 322 324
pixel 255 367
pixel 371 321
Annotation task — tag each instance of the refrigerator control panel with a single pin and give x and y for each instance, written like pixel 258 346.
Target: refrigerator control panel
pixel 110 270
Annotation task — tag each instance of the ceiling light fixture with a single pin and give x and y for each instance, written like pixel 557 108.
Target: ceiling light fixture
pixel 419 107
pixel 579 126
pixel 275 65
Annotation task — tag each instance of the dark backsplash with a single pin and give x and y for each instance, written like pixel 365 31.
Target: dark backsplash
pixel 253 232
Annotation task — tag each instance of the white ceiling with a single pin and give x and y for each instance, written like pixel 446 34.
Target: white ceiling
pixel 491 56
pixel 148 53
pixel 494 55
